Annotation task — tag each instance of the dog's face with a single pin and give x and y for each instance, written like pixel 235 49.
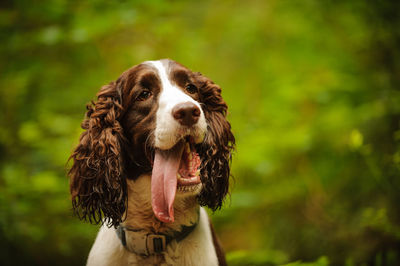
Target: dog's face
pixel 160 118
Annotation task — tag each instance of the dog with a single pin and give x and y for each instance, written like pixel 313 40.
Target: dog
pixel 156 147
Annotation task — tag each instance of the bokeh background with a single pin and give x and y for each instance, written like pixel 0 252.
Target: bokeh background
pixel 314 102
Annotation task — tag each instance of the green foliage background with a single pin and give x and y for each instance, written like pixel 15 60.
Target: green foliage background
pixel 313 90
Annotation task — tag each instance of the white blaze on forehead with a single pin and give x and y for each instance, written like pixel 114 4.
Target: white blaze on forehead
pixel 170 94
pixel 168 130
pixel 162 74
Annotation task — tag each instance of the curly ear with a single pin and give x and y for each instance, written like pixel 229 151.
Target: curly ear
pixel 217 148
pixel 97 186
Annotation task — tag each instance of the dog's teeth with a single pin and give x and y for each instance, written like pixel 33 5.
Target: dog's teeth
pixel 190 157
pixel 188 189
pixel 197 173
pixel 178 176
pixel 187 147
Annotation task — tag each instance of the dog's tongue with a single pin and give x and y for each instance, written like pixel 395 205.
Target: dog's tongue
pixel 164 180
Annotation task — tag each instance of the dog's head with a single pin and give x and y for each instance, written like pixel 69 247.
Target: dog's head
pixel 160 118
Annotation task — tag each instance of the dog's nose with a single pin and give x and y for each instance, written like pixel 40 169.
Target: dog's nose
pixel 187 113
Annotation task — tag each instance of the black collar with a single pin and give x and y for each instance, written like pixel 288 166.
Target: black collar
pixel 144 243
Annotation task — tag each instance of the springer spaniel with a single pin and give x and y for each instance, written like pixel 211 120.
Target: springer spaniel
pixel 156 147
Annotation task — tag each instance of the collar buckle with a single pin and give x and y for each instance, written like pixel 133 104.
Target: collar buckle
pixel 156 244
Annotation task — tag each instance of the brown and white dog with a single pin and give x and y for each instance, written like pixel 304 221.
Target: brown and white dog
pixel 156 147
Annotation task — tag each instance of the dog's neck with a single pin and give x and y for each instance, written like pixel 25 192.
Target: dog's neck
pixel 139 214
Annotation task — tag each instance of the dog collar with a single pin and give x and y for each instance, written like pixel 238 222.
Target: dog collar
pixel 143 243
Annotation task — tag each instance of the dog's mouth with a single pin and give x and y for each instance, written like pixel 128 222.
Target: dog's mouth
pixel 189 172
pixel 174 169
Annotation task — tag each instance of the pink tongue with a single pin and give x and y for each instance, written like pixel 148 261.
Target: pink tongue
pixel 163 182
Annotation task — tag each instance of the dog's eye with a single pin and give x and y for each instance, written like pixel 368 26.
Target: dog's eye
pixel 191 88
pixel 144 95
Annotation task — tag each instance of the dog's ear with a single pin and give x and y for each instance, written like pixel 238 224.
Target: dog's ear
pixel 97 184
pixel 217 148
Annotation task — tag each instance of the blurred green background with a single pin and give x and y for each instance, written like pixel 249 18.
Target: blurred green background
pixel 313 94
